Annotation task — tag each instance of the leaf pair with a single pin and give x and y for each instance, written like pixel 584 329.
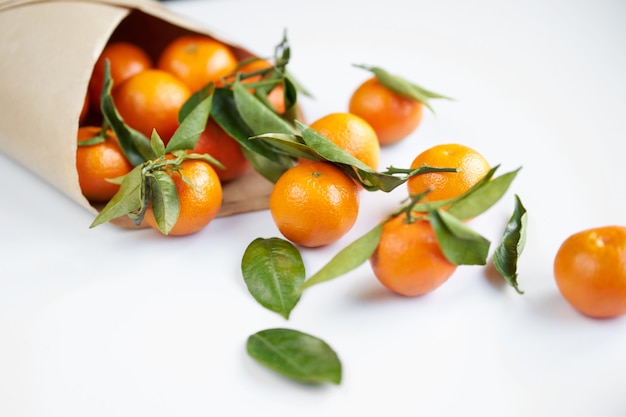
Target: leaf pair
pixel 273 270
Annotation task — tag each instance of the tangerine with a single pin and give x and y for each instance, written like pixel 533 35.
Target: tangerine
pixel 151 100
pixel 314 204
pixel 216 142
pixel 392 116
pixel 199 194
pixel 352 134
pixel 590 271
pixel 98 162
pixel 197 60
pixel 471 166
pixel 125 60
pixel 408 259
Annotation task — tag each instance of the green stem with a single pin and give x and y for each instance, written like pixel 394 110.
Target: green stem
pixel 424 169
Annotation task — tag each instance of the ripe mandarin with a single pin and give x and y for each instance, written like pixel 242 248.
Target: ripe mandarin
pixel 392 116
pixel 197 60
pixel 471 166
pixel 125 60
pixel 314 204
pixel 590 271
pixel 199 202
pixel 151 100
pixel 408 259
pixel 98 162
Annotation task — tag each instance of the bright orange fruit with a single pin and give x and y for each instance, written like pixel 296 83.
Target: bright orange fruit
pixel 408 259
pixel 471 166
pixel 314 204
pixel 392 116
pixel 150 100
pixel 197 60
pixel 199 202
pixel 99 162
pixel 590 271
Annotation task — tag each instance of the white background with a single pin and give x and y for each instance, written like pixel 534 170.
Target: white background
pixel 109 322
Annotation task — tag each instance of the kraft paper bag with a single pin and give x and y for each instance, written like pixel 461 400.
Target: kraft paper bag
pixel 48 50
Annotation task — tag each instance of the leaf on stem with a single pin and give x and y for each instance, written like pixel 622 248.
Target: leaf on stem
pixel 347 259
pixel 483 195
pixel 460 244
pixel 296 355
pixel 262 157
pixel 191 127
pixel 129 198
pixel 260 118
pixel 512 245
pixel 403 87
pixel 165 202
pixel 273 270
pixel 157 144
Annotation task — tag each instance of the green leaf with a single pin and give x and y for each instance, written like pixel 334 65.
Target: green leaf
pixel 296 355
pixel 194 100
pixel 347 259
pixel 403 87
pixel 512 245
pixel 164 199
pixel 291 145
pixel 136 147
pixel 157 144
pixel 257 115
pixel 262 157
pixel 99 138
pixel 191 127
pixel 460 244
pixel 482 196
pixel 273 269
pixel 328 150
pixel 129 198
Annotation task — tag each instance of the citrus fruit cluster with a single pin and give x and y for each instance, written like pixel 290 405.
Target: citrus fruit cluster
pixel 133 96
pixel 160 135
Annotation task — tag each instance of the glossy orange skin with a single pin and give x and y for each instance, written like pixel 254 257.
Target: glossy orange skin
pixel 471 165
pixel 151 100
pixel 314 204
pixel 408 259
pixel 97 163
pixel 197 60
pixel 217 143
pixel 352 134
pixel 590 271
pixel 198 204
pixel 125 60
pixel 392 116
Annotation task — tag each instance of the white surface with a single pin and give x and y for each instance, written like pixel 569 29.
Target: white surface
pixel 107 322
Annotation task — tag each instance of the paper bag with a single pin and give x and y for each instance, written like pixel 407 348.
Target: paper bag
pixel 48 50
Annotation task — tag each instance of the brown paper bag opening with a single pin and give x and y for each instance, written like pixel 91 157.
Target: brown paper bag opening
pixel 49 50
